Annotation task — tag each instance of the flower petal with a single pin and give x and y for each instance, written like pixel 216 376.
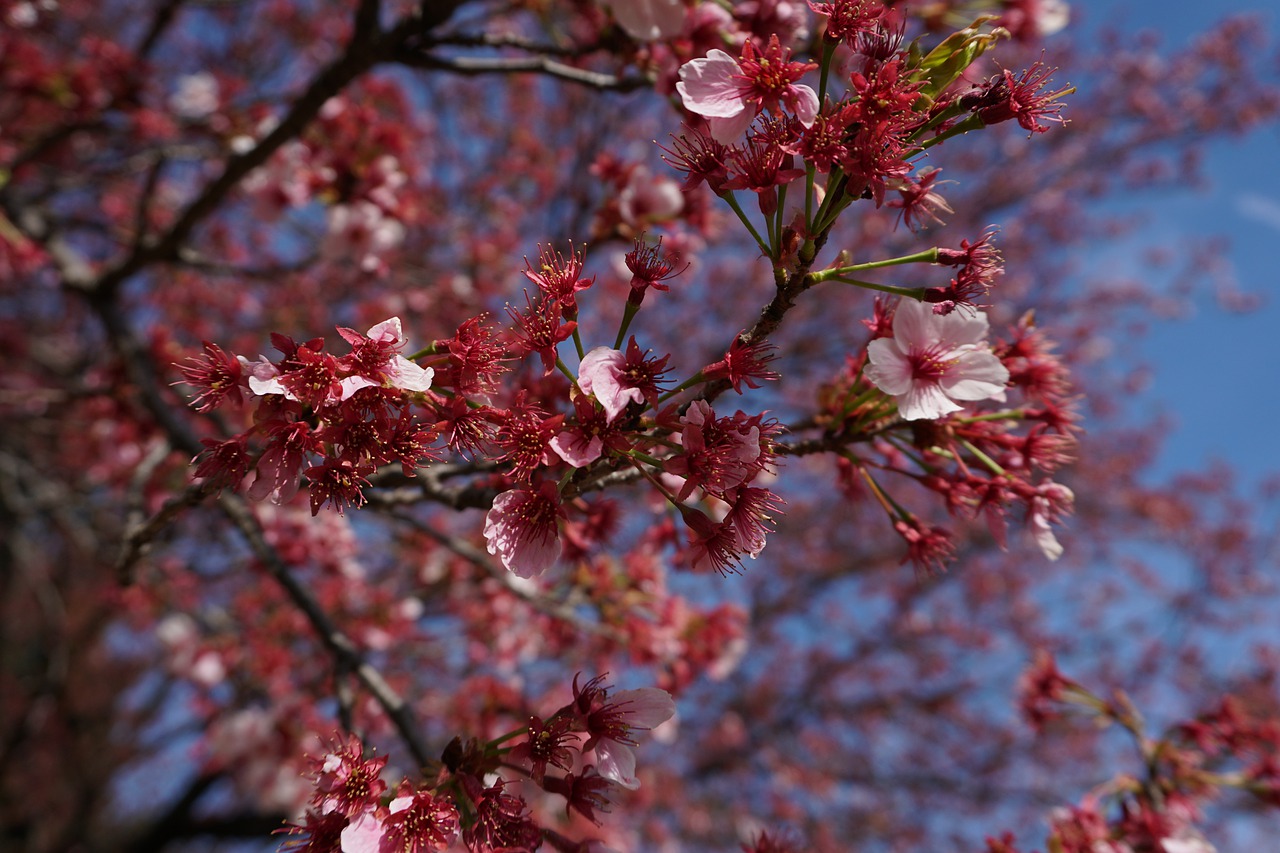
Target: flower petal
pixel 617 763
pixel 645 707
pixel 925 401
pixel 963 326
pixel 649 20
pixel 915 326
pixel 888 369
pixel 806 104
pixel 708 86
pixel 975 375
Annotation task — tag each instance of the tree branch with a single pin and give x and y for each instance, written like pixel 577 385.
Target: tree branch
pixel 470 66
pixel 344 651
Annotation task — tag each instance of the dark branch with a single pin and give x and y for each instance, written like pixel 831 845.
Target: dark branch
pixel 471 66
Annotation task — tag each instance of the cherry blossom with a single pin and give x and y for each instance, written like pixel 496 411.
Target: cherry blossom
pixel 730 95
pixel 611 723
pixel 934 360
pixel 649 20
pixel 522 530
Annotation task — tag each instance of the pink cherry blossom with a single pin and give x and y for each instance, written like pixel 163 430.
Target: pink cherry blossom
pixel 1052 500
pixel 730 96
pixel 400 372
pixel 612 724
pixel 933 360
pixel 522 530
pixel 363 834
pixel 649 198
pixel 601 374
pixel 649 20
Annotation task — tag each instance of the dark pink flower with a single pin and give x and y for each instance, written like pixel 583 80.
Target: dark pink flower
pixel 584 792
pixel 559 277
pixel 1006 97
pixel 548 742
pixel 224 463
pixel 502 822
pixel 476 357
pixel 337 482
pixel 846 19
pixel 417 821
pixel 347 782
pixel 701 158
pixel 539 329
pixel 218 376
pixel 752 518
pixel 743 363
pixel 649 268
pixel 524 436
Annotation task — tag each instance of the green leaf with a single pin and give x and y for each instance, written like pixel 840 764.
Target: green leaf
pixel 943 65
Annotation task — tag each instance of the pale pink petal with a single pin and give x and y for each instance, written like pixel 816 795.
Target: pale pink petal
pixel 730 130
pixel 698 413
pixel 649 20
pixel 975 375
pixel 1042 533
pixel 388 330
pixel 263 376
pixel 599 374
pixel 617 763
pixel 925 401
pixel 645 707
pixel 915 326
pixel 960 327
pixel 352 384
pixel 363 834
pixel 806 104
pixel 520 530
pixel 407 376
pixel 536 555
pixel 709 87
pixel 572 449
pixel 887 368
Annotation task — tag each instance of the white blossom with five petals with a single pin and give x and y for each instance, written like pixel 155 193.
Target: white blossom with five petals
pixel 934 360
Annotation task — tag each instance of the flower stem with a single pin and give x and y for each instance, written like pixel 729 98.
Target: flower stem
pixel 916 293
pixel 971 123
pixel 732 201
pixel 564 368
pixel 688 383
pixel 928 256
pixel 986 460
pixel 628 313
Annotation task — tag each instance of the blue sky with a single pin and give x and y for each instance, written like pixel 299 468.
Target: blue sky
pixel 1216 372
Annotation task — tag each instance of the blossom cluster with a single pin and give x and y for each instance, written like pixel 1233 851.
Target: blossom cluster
pixel 350 810
pixel 373 407
pixel 760 120
pixel 497 393
pixel 1229 746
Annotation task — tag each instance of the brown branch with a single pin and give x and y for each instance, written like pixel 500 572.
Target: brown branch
pixel 140 533
pixel 471 66
pixel 345 652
